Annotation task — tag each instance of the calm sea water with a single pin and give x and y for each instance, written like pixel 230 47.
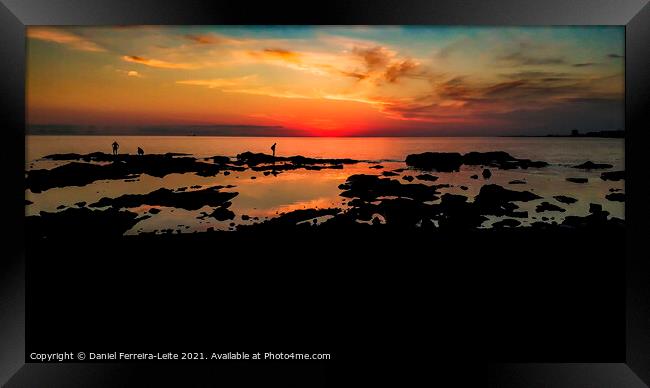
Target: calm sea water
pixel 267 196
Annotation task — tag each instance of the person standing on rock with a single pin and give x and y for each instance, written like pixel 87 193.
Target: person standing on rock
pixel 115 147
pixel 273 149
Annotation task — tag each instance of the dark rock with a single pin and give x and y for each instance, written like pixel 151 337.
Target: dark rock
pixel 28 202
pixel 589 165
pixel 499 159
pixel 253 177
pixel 427 177
pixel 577 180
pixel 123 167
pixel 189 200
pixel 595 208
pixel 253 159
pixel 474 176
pixel 245 217
pixel 508 222
pixel 565 199
pixel 81 204
pixel 154 210
pixel 486 173
pixel 389 173
pixel 546 206
pixel 618 197
pixel 222 213
pixel 408 178
pixel 464 188
pixel 613 190
pixel 496 200
pixel 292 218
pixel 439 161
pixel 61 207
pixel 370 187
pixel 379 166
pixel 81 222
pixel 517 182
pixel 220 159
pixel 613 175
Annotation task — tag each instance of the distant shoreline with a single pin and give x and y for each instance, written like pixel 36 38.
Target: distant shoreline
pixel 320 136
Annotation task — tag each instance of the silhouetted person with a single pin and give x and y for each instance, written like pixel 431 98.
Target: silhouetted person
pixel 273 149
pixel 140 151
pixel 115 147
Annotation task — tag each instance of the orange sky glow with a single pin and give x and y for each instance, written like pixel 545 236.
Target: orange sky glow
pixel 328 81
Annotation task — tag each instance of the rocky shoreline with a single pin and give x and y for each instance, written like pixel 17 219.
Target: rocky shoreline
pixel 374 202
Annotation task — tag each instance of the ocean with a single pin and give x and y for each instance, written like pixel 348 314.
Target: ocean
pixel 261 197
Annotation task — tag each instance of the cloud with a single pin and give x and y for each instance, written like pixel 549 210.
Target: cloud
pixel 129 73
pixel 374 57
pixel 220 83
pixel 399 69
pixel 278 53
pixel 158 63
pixel 211 38
pixel 64 37
pixel 524 59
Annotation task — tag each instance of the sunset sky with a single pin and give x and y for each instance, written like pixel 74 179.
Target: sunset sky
pixel 328 81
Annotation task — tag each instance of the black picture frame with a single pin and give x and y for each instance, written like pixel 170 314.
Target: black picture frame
pixel 15 15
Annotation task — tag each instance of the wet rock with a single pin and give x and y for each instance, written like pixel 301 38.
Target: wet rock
pixel 379 166
pixel 226 173
pixel 114 167
pixel 464 188
pixel 589 165
pixel 507 223
pixel 500 159
pixel 577 180
pixel 220 159
pixel 253 177
pixel 253 159
pixel 517 182
pixel 195 187
pixel 154 210
pixel 474 176
pixel 61 207
pixel 189 200
pixel 222 213
pixel 292 218
pixel 565 199
pixel 81 203
pixel 546 206
pixel 486 173
pixel 617 197
pixel 612 175
pixel 370 187
pixel 439 161
pixel 596 219
pixel 496 200
pixel 408 178
pixel 245 217
pixel 81 222
pixel 427 177
pixel 595 208
pixel 389 173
